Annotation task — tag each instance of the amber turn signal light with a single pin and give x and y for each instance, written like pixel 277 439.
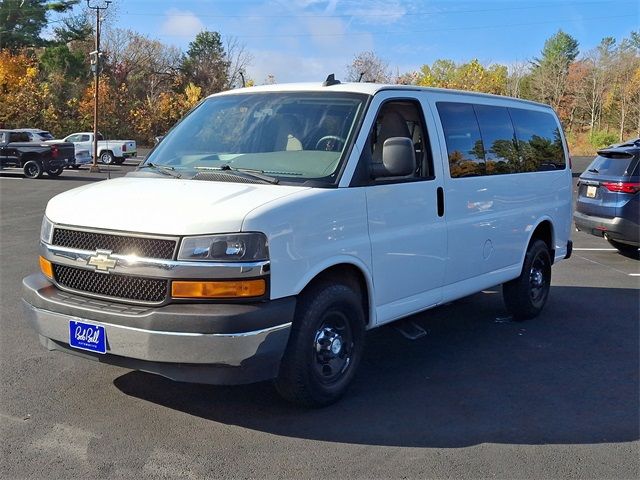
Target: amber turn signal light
pixel 230 289
pixel 46 268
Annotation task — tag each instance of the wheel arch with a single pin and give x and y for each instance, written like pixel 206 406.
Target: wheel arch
pixel 351 272
pixel 544 231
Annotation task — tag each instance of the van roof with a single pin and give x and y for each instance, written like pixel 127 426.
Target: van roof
pixel 364 88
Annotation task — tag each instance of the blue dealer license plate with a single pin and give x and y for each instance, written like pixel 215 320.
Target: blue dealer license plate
pixel 87 336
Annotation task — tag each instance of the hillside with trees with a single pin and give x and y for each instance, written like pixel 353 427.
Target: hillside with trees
pixel 146 85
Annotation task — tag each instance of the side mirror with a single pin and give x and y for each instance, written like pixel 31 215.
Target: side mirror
pixel 158 139
pixel 398 158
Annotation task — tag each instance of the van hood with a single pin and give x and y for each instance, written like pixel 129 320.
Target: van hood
pixel 163 206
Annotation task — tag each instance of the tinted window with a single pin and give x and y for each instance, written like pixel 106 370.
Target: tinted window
pixel 612 165
pixel 498 138
pixel 84 138
pixel 462 136
pixel 539 140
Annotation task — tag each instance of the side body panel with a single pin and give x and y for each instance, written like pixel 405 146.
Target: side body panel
pixel 491 218
pixel 311 231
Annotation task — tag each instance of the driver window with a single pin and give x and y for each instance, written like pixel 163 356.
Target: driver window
pixel 402 119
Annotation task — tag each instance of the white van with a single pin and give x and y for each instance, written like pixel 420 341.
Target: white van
pixel 274 225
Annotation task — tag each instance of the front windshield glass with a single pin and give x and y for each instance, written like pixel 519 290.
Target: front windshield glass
pixel 294 137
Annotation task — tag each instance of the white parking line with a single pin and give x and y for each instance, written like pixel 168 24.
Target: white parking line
pixel 634 274
pixel 595 249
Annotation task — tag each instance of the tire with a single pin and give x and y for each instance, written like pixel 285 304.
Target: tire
pixel 625 249
pixel 107 158
pixel 33 169
pixel 75 167
pixel 55 172
pixel 325 346
pixel 525 296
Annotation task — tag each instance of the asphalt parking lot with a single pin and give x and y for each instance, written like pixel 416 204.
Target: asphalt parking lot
pixel 480 396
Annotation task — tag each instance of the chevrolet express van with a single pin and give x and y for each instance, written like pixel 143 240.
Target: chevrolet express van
pixel 274 225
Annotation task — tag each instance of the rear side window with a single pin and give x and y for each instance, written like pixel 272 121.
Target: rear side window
pixel 498 137
pixel 539 140
pixel 615 165
pixel 462 135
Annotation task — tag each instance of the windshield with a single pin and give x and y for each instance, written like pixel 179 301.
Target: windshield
pixel 294 137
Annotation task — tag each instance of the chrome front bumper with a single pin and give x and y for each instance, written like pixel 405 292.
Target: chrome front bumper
pixel 173 347
pixel 219 358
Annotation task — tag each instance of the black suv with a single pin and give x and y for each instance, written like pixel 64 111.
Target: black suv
pixel 608 202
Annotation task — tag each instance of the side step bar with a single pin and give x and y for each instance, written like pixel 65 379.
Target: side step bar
pixel 409 329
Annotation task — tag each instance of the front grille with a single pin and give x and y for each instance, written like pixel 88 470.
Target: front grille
pixel 111 285
pixel 120 244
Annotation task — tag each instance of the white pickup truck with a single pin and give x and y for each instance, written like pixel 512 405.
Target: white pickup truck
pixel 109 151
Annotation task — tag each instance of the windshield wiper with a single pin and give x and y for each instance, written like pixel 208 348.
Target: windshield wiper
pixel 257 174
pixel 165 170
pixel 593 170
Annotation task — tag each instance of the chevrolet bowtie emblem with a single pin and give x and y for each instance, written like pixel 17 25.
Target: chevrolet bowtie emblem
pixel 102 261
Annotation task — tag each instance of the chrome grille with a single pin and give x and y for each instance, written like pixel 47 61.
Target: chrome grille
pixel 120 244
pixel 111 285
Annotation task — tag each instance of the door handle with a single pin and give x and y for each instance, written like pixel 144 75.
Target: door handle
pixel 440 194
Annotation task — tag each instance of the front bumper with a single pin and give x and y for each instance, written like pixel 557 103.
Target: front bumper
pixel 617 228
pixel 202 343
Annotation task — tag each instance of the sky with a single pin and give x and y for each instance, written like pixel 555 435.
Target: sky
pixel 305 40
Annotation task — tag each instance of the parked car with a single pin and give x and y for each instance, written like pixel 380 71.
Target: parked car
pixel 81 156
pixel 35 158
pixel 273 225
pixel 608 203
pixel 109 151
pixel 36 134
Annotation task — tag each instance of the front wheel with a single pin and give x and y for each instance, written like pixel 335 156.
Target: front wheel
pixel 525 296
pixel 325 346
pixel 107 158
pixel 32 169
pixel 625 249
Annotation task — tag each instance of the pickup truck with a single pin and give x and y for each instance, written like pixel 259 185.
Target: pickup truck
pixel 109 151
pixel 35 158
pixel 37 135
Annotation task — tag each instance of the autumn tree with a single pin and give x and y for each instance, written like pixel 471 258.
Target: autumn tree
pixel 466 76
pixel 206 63
pixel 550 71
pixel 368 67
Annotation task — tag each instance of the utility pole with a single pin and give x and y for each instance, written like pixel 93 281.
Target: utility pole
pixel 95 63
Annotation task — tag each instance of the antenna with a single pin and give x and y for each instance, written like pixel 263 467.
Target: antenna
pixel 331 80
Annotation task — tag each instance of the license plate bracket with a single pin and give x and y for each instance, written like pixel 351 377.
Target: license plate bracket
pixel 87 336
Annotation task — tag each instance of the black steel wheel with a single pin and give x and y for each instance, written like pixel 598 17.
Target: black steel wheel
pixel 325 345
pixel 525 296
pixel 32 169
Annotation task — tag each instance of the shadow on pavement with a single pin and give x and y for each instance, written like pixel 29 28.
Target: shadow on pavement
pixel 568 377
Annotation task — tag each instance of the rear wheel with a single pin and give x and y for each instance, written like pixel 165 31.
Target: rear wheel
pixel 325 346
pixel 525 296
pixel 55 172
pixel 625 249
pixel 32 169
pixel 107 158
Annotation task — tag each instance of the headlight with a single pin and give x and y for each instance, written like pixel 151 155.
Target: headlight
pixel 238 247
pixel 46 230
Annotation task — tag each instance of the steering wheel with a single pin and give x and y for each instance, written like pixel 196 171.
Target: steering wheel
pixel 330 143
